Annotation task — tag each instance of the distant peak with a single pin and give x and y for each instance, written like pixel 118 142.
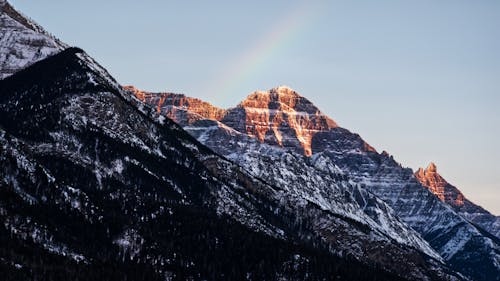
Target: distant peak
pixel 431 168
pixel 433 181
pixel 279 116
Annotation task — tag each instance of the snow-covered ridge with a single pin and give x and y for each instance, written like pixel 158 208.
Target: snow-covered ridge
pixel 22 41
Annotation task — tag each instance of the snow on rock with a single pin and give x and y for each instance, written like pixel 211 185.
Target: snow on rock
pixel 22 42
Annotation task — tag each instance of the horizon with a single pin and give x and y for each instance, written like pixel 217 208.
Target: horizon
pixel 424 89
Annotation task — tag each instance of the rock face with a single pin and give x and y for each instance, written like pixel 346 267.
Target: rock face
pixel 22 42
pixel 437 185
pixel 280 117
pixel 452 196
pixel 264 118
pixel 176 106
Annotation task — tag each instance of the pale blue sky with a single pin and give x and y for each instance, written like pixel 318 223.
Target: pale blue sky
pixel 420 79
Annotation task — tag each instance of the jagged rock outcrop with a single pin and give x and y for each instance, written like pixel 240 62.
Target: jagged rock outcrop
pixel 22 41
pixel 430 178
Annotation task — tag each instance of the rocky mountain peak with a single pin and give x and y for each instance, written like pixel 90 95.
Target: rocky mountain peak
pixel 283 94
pixel 283 98
pixel 431 168
pixel 279 116
pixel 431 179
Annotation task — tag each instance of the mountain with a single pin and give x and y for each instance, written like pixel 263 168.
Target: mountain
pixel 280 118
pixel 314 190
pixel 22 41
pixel 302 181
pixel 94 185
pixel 452 196
pixel 317 180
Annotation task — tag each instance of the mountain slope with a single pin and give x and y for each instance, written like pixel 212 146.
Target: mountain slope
pixel 22 41
pixel 452 196
pixel 467 248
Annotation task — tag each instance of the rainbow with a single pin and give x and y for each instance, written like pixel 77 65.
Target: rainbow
pixel 249 63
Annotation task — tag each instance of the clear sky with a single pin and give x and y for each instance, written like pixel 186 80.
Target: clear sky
pixel 420 79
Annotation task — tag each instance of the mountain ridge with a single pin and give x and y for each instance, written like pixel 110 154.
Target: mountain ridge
pixel 448 232
pixel 22 42
pixel 451 195
pixel 207 131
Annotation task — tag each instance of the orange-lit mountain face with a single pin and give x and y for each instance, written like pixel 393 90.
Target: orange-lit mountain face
pixel 183 110
pixel 279 116
pixel 447 193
